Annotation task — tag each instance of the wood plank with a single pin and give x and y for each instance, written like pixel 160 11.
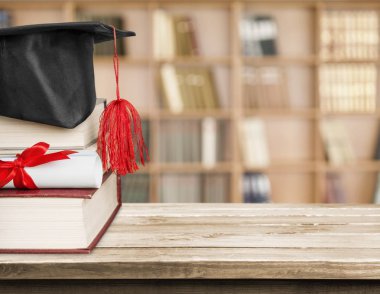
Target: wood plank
pixel 191 263
pixel 240 209
pixel 192 241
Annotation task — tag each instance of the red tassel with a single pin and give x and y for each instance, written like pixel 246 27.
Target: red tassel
pixel 120 131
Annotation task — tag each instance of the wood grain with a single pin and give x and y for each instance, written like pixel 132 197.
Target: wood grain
pixel 222 241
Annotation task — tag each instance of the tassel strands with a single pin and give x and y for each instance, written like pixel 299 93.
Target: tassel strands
pixel 120 132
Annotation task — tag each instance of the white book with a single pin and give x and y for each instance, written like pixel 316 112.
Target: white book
pixel 171 88
pixel 164 42
pixel 209 141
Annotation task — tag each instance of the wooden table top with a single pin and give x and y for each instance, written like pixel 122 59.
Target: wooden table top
pixel 221 241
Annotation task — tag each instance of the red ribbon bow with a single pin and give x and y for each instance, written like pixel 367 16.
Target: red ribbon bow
pixel 30 157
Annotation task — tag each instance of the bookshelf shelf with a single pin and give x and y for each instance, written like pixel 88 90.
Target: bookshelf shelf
pixel 350 61
pixel 196 60
pixel 298 166
pixel 124 60
pixel 358 166
pixel 196 114
pixel 363 114
pixel 286 167
pixel 194 168
pixel 279 60
pixel 310 113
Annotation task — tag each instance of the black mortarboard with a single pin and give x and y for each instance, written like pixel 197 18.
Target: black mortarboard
pixel 46 71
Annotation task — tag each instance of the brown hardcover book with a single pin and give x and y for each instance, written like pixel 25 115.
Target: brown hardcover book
pixel 183 88
pixel 185 40
pixel 190 88
pixel 57 220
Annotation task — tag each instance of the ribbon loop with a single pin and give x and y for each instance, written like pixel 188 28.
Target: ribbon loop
pixel 30 157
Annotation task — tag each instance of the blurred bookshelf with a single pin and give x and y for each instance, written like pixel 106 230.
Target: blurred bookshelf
pixel 283 102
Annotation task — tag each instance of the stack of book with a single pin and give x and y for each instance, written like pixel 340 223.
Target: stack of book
pixel 5 19
pixel 107 48
pixel 57 219
pixel 265 87
pixel 349 34
pixel 174 35
pixel 188 88
pixel 193 141
pixel 348 87
pixel 258 34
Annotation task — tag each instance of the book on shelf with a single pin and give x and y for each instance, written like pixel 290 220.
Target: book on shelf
pixel 256 188
pixel 216 188
pixel 191 88
pixel 259 35
pixel 253 143
pixel 349 34
pixel 171 90
pixel 176 188
pixel 348 87
pixel 376 194
pixel 335 192
pixel 5 18
pixel 265 87
pixel 335 137
pixel 174 35
pixel 377 146
pixel 194 188
pixel 180 141
pixel 195 141
pixel 57 220
pixel 23 134
pixel 209 141
pixel 185 38
pixel 135 188
pixel 107 48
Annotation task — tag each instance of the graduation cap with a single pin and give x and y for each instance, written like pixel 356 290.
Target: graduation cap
pixel 47 76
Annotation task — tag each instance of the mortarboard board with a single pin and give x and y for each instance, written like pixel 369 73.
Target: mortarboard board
pixel 47 76
pixel 46 71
